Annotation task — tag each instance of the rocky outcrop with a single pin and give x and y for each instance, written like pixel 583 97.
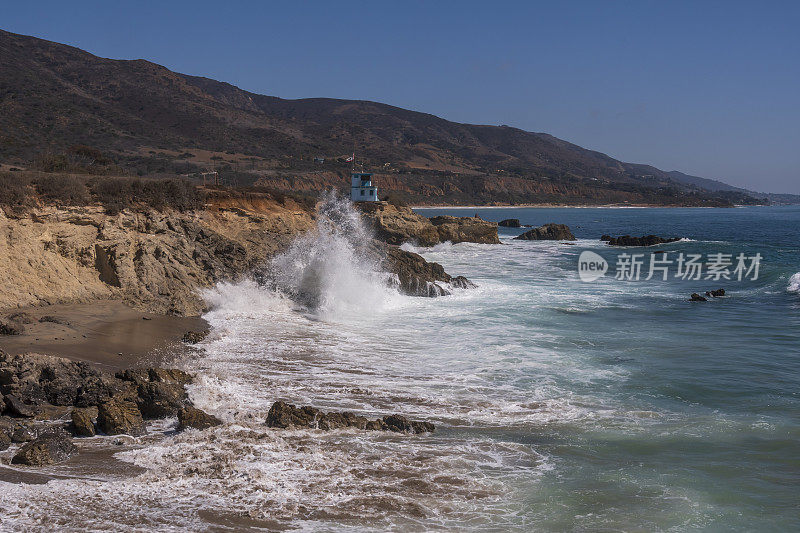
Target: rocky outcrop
pixel 52 447
pixel 548 232
pixel 465 229
pixel 697 298
pixel 191 417
pixel 510 223
pixel 396 225
pixel 646 240
pixel 120 417
pixel 285 416
pixel 11 328
pixel 716 294
pixel 417 277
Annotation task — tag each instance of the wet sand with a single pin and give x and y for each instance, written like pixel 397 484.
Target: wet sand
pixel 107 333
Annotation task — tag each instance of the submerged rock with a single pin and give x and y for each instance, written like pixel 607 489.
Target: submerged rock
pixel 283 415
pixel 697 298
pixel 716 294
pixel 548 232
pixel 49 448
pixel 646 240
pixel 117 417
pixel 191 417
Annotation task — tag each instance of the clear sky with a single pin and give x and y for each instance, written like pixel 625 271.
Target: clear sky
pixel 707 88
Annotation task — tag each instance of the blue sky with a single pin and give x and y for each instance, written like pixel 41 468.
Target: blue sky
pixel 707 88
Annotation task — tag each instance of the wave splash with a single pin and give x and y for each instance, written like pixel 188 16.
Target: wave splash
pixel 334 271
pixel 794 283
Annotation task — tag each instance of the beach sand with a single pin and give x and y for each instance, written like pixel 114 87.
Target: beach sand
pixel 106 333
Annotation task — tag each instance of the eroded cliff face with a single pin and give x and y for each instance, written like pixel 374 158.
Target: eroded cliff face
pixel 154 260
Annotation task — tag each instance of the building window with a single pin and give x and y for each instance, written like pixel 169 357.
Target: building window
pixel 362 192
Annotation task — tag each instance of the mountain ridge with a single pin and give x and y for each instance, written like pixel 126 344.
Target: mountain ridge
pixel 147 117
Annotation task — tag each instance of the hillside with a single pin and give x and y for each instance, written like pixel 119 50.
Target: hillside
pixel 149 120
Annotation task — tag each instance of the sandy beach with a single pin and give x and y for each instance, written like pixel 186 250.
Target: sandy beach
pixel 106 333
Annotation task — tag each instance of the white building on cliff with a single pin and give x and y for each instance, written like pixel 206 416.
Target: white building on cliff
pixel 361 188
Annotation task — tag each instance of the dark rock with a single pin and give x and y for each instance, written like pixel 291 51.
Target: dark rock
pixel 510 223
pixel 460 282
pixel 647 240
pixel 51 319
pixel 5 441
pixel 697 298
pixel 11 328
pixel 50 448
pixel 548 232
pixel 415 275
pixel 191 417
pixel 117 417
pixel 16 407
pixel 401 424
pixel 82 424
pixel 283 415
pixel 716 294
pixel 605 238
pixel 193 337
pixel 160 399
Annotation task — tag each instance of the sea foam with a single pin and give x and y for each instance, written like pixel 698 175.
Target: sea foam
pixel 794 283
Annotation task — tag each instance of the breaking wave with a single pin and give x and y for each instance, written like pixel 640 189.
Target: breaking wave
pixel 334 270
pixel 794 283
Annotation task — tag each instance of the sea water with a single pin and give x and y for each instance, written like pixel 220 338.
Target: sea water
pixel 559 404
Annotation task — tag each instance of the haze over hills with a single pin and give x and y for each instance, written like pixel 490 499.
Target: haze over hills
pixel 148 120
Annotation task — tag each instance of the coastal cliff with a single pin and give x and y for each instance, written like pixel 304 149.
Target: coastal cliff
pixel 156 259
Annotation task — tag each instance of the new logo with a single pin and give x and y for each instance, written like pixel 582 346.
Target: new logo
pixel 591 266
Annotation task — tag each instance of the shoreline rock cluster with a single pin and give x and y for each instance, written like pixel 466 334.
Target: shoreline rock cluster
pixel 46 401
pixel 695 297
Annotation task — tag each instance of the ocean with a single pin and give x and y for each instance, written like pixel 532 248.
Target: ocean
pixel 560 404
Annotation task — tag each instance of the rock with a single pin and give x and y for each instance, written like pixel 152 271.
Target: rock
pixel 117 417
pixel 465 229
pixel 160 399
pixel 16 407
pixel 21 317
pixel 647 240
pixel 284 415
pixel 191 417
pixel 193 337
pixel 605 238
pixel 401 424
pixel 170 375
pixel 460 282
pixel 716 294
pixel 510 223
pixel 548 232
pixel 5 441
pixel 50 448
pixel 395 225
pixel 82 424
pixel 697 298
pixel 11 328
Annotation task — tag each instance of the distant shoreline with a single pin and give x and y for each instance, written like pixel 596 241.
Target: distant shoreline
pixel 560 206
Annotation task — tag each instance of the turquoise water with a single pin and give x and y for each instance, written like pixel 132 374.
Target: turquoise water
pixel 704 398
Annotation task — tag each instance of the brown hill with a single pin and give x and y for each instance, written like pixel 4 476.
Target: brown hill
pixel 150 120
